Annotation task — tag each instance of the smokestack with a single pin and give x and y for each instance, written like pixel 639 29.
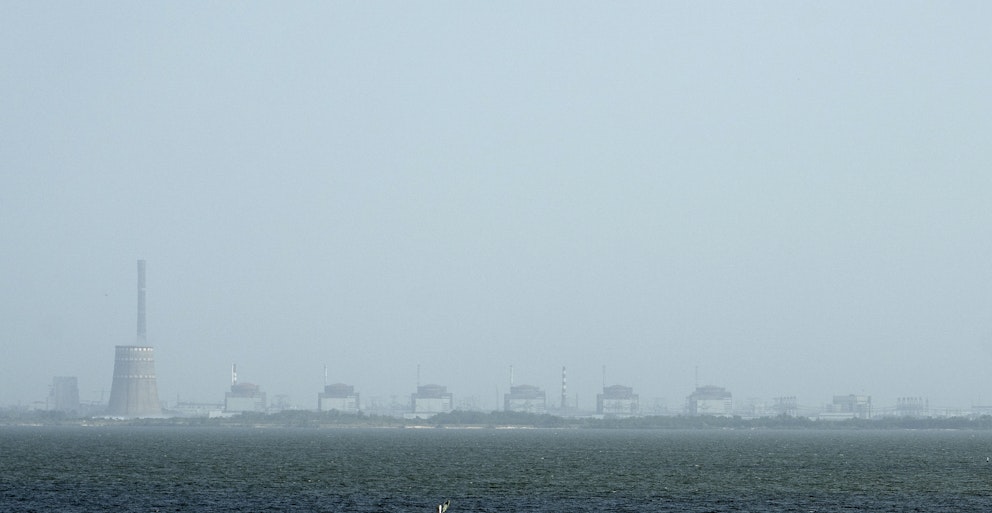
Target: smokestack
pixel 564 399
pixel 142 338
pixel 134 392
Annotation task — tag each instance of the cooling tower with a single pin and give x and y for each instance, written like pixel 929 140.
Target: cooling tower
pixel 134 392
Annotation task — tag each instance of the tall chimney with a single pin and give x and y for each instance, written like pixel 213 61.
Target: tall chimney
pixel 134 392
pixel 142 338
pixel 563 397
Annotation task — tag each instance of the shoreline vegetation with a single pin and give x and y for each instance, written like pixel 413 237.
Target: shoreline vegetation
pixel 305 419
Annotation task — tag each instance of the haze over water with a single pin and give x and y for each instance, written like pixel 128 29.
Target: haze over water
pixel 382 470
pixel 792 198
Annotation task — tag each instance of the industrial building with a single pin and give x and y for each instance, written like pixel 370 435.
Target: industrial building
pixel 850 406
pixel 64 395
pixel 340 397
pixel 197 409
pixel 134 391
pixel 617 401
pixel 786 406
pixel 916 407
pixel 243 397
pixel 526 399
pixel 710 400
pixel 429 400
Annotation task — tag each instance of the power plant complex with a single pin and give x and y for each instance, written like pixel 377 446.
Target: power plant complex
pixel 134 392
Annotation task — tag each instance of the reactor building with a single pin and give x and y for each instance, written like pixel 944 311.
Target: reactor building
pixel 244 396
pixel 429 400
pixel 134 392
pixel 710 400
pixel 339 397
pixel 617 401
pixel 526 399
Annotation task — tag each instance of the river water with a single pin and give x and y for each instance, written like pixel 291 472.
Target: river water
pixel 214 469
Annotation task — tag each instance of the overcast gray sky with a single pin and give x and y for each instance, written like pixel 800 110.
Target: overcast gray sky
pixel 792 197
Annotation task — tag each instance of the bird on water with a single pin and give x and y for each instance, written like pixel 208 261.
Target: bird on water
pixel 441 508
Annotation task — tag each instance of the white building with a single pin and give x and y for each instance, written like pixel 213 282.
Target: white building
pixel 429 400
pixel 244 397
pixel 710 400
pixel 617 401
pixel 526 399
pixel 338 397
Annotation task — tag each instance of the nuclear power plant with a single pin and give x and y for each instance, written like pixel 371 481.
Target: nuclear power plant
pixel 134 392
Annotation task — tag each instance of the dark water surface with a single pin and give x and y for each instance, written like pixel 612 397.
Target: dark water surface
pixel 410 470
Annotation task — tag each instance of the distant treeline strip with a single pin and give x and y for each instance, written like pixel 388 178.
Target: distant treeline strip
pixel 498 419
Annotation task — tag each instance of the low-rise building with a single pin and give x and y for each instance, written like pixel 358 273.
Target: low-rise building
pixel 848 407
pixel 787 406
pixel 196 409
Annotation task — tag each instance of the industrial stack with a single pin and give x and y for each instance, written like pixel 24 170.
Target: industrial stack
pixel 134 392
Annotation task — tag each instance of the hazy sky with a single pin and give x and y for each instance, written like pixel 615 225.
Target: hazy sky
pixel 794 198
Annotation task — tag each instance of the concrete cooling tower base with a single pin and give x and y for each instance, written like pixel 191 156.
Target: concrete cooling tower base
pixel 134 392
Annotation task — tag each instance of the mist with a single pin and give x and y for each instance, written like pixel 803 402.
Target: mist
pixel 780 199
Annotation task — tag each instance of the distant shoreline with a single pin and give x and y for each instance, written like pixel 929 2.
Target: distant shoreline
pixel 300 419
